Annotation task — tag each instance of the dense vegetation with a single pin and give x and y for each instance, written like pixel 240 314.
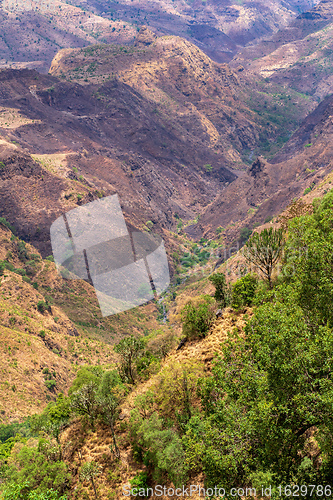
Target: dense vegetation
pixel 261 418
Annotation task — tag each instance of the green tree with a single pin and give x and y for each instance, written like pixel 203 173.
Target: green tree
pixel 162 447
pixel 175 390
pixel 110 395
pixel 268 391
pixel 197 316
pixel 84 402
pixel 89 471
pixel 13 491
pixel 264 251
pixel 222 293
pixel 243 291
pixel 84 376
pixel 129 349
pixel 39 467
pixel 309 260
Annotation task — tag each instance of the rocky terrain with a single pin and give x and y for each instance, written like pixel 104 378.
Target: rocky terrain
pixel 210 120
pixel 33 31
pixel 268 186
pixel 161 124
pixel 298 56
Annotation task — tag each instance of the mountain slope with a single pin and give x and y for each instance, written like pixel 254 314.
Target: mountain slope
pixel 267 188
pixel 33 31
pixel 299 56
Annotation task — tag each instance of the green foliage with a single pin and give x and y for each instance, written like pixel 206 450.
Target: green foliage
pixel 175 390
pixel 11 430
pixel 264 250
pixel 20 492
pixel 266 392
pixel 84 402
pixel 196 317
pixel 39 467
pixel 222 292
pixel 7 224
pixel 42 306
pixel 139 481
pixel 84 376
pixel 50 384
pixel 162 447
pixel 53 419
pixel 309 260
pixel 22 251
pixel 243 291
pixel 245 234
pixel 110 394
pixel 129 349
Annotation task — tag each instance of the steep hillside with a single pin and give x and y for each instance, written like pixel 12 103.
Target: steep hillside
pixel 33 31
pixel 268 187
pixel 161 124
pixel 49 327
pixel 299 56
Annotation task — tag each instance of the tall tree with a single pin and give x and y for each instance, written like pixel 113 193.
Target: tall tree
pixel 89 471
pixel 129 349
pixel 264 250
pixel 110 395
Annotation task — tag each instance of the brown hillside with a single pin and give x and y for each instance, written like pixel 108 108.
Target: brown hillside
pixel 268 187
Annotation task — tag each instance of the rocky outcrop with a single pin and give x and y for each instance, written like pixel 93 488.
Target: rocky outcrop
pixel 145 37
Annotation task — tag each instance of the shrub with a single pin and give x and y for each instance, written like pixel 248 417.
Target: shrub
pixel 197 317
pixel 222 293
pixel 50 384
pixel 243 291
pixel 162 447
pixel 245 234
pixel 39 467
pixel 42 306
pixel 140 481
pixel 7 224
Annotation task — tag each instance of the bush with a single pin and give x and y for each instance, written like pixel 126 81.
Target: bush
pixel 196 317
pixel 222 292
pixel 245 234
pixel 50 384
pixel 139 481
pixel 243 291
pixel 39 467
pixel 42 306
pixel 162 448
pixel 7 224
